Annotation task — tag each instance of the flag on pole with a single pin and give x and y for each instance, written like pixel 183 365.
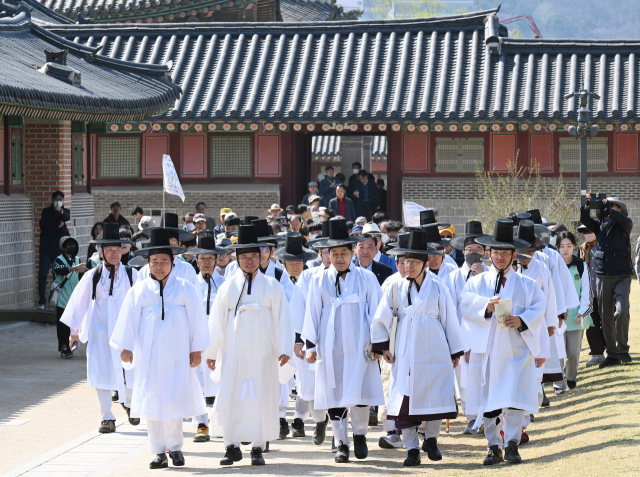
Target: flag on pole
pixel 412 213
pixel 171 183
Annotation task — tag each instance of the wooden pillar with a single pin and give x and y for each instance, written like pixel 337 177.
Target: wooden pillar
pixel 300 164
pixel 394 174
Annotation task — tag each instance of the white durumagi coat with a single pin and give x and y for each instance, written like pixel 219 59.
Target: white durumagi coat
pixel 246 346
pixel 447 267
pixel 339 326
pixel 95 321
pixel 556 281
pixel 502 370
pixel 166 386
pixel 180 269
pixel 428 335
pixel 209 386
pixel 568 287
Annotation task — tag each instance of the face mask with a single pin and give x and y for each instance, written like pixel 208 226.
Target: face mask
pixel 355 171
pixel 385 238
pixel 190 227
pixel 472 258
pixel 72 250
pixel 312 236
pixel 552 241
pixel 321 218
pixel 58 203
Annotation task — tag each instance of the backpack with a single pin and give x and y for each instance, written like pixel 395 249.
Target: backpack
pixel 98 273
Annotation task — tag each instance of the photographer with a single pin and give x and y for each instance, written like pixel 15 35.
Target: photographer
pixel 613 272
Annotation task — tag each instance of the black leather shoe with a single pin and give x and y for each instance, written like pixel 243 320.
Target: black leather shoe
pixel 209 401
pixel 625 357
pixel 571 384
pixel 233 454
pixel 114 396
pixel 284 428
pixel 494 456
pixel 545 400
pixel 66 353
pixel 107 426
pixel 177 458
pixel 413 458
pixel 256 456
pixel 360 449
pixel 511 454
pixel 160 462
pixel 373 416
pixel 298 427
pixel 134 421
pixel 320 432
pixel 342 454
pixel 610 362
pixel 266 449
pixel 430 446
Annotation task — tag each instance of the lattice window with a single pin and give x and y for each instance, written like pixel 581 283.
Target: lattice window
pixel 79 169
pixel 118 157
pixel 597 154
pixel 231 156
pixel 459 154
pixel 16 159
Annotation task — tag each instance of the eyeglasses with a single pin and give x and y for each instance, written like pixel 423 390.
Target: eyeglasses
pixel 501 253
pixel 206 260
pixel 224 255
pixel 474 250
pixel 412 263
pixel 264 249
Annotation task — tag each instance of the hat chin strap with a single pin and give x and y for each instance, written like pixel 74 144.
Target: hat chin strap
pixel 413 281
pixel 161 286
pixel 500 275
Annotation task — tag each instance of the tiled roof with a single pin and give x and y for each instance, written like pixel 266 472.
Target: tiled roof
pixel 38 12
pixel 326 148
pixel 109 89
pixel 294 11
pixel 379 148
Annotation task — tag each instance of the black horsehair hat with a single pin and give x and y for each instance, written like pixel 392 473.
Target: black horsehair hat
pixel 247 238
pixel 472 229
pixel 159 241
pixel 429 217
pixel 338 235
pixel 418 244
pixel 433 235
pixel 171 224
pixel 110 235
pixel 535 234
pixel 264 233
pixel 536 216
pixel 207 246
pixel 502 238
pixel 323 236
pixel 248 219
pixel 403 241
pixel 293 251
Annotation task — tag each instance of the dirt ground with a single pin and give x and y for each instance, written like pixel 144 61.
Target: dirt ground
pixel 592 430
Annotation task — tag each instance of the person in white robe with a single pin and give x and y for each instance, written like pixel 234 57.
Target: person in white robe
pixel 341 303
pixel 161 330
pixel 293 257
pixel 251 331
pixel 438 265
pixel 455 281
pixel 208 283
pixel 416 329
pixel 91 313
pixel 504 341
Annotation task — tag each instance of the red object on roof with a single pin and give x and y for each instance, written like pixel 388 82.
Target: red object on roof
pixel 528 18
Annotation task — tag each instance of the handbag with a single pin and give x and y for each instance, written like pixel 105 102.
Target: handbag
pixel 56 288
pixel 394 321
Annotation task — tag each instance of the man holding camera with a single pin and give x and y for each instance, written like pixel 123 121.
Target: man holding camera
pixel 613 272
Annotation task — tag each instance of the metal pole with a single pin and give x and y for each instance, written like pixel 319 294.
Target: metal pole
pixel 583 169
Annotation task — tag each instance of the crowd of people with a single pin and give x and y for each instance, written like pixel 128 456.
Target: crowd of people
pixel 359 318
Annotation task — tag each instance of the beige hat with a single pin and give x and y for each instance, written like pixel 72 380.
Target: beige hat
pixel 314 197
pixel 275 209
pixel 146 222
pixel 323 212
pixel 199 218
pixel 619 203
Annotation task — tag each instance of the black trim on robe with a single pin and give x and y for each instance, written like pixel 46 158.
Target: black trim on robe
pixel 299 340
pixel 405 421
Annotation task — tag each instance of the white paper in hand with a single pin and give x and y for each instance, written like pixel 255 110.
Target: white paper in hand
pixel 503 311
pixel 170 176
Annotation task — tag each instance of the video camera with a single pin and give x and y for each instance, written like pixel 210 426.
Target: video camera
pixel 595 203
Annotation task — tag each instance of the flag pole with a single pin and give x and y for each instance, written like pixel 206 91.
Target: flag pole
pixel 164 225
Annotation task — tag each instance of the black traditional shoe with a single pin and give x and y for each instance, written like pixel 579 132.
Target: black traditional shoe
pixel 160 462
pixel 134 421
pixel 511 454
pixel 430 446
pixel 334 449
pixel 494 456
pixel 209 401
pixel 545 400
pixel 342 454
pixel 625 357
pixel 360 449
pixel 266 449
pixel 373 416
pixel 256 456
pixel 177 458
pixel 233 454
pixel 107 426
pixel 202 434
pixel 610 362
pixel 298 427
pixel 66 353
pixel 114 396
pixel 284 428
pixel 413 458
pixel 320 432
pixel 571 384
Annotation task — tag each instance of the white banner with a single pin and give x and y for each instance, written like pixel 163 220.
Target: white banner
pixel 171 181
pixel 412 213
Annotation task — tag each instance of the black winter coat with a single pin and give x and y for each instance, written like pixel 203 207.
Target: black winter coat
pixel 50 230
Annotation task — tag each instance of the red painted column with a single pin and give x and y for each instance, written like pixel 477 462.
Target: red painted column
pixel 394 174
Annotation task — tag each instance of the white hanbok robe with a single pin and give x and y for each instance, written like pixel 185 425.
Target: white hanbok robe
pixel 428 337
pixel 246 346
pixel 502 362
pixel 446 268
pixel 234 268
pixel 166 386
pixel 568 287
pixel 181 269
pixel 95 321
pixel 340 329
pixel 448 259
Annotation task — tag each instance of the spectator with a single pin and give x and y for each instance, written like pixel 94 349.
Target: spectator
pixel 313 191
pixel 146 222
pixel 188 224
pixel 315 201
pixel 366 250
pixel 283 220
pixel 200 222
pixel 137 213
pixel 381 239
pixel 231 224
pixel 219 229
pixel 378 218
pixel 366 196
pixel 361 221
pixel 201 208
pixel 340 177
pixel 127 253
pixel 67 271
pixel 96 231
pixel 382 193
pixel 115 217
pixel 613 274
pixel 291 211
pixel 342 205
pixel 274 210
pixel 296 223
pixel 328 185
pixel 53 226
pixel 275 227
pixel 303 211
pixel 354 179
pixel 393 228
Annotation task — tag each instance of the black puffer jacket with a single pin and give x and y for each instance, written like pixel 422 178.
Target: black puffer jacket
pixel 613 250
